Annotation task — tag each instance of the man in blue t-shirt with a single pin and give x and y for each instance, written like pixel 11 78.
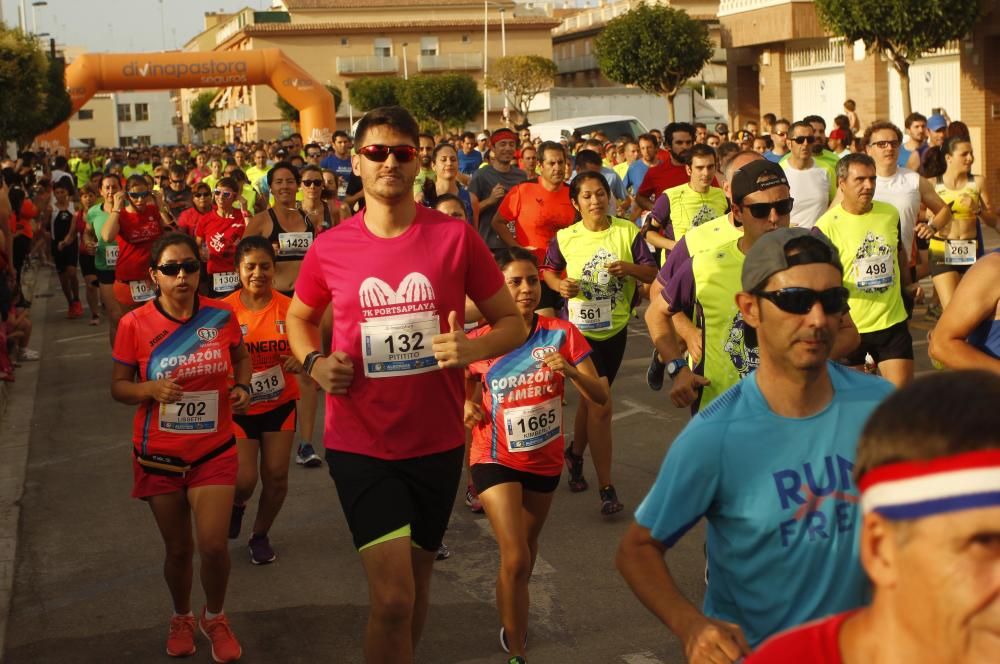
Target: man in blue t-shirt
pixel 340 161
pixel 469 158
pixel 768 465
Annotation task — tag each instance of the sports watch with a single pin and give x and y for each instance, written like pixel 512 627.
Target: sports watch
pixel 674 367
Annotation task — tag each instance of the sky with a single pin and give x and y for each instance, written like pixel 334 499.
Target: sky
pixel 123 25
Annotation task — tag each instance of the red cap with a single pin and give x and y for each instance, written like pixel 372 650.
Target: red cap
pixel 838 134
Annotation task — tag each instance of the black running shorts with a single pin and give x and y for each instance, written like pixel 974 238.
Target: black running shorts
pixel 893 343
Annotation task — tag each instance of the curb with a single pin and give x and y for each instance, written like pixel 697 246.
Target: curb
pixel 17 408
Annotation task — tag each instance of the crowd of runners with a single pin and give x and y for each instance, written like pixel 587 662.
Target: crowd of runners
pixel 442 291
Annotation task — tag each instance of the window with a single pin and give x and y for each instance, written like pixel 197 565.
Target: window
pixel 428 46
pixel 89 141
pixel 383 46
pixel 465 39
pixel 124 113
pixel 343 41
pixel 125 141
pixel 144 141
pixel 85 114
pixel 141 112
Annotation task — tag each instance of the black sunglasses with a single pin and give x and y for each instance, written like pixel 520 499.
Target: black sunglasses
pixel 314 183
pixel 763 210
pixel 379 153
pixel 202 194
pixel 173 269
pixel 314 154
pixel 173 181
pixel 805 139
pixel 800 301
pixel 138 194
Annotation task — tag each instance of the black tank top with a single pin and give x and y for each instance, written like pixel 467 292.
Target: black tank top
pixel 276 230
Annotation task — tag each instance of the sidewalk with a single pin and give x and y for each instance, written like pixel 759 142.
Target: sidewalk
pixel 17 407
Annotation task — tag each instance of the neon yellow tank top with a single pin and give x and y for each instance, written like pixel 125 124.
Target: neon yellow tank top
pixel 964 202
pixel 868 247
pixel 689 209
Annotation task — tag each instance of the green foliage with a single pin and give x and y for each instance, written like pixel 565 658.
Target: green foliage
pixel 450 100
pixel 655 48
pixel 202 116
pixel 901 29
pixel 291 114
pixel 35 99
pixel 374 91
pixel 522 78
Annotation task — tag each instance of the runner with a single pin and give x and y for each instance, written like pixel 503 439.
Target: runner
pixel 173 358
pixel 106 255
pixel 202 197
pixel 517 435
pixel 425 151
pixel 955 247
pixel 492 182
pixel 65 245
pixel 916 141
pixel 537 210
pixel 265 434
pixel 177 194
pixel 688 205
pixel 930 495
pixel 812 184
pixel 135 223
pixel 753 463
pixel 444 161
pixel 322 209
pixel 397 275
pixel 779 138
pixel 258 171
pixel 217 234
pixel 469 158
pixel 339 161
pixel 648 149
pixel 968 334
pixel 291 234
pixel 603 258
pixel 669 173
pixel 867 234
pixel 88 251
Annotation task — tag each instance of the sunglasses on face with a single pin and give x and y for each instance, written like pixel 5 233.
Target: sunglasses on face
pixel 886 145
pixel 173 269
pixel 800 301
pixel 379 153
pixel 763 210
pixel 805 139
pixel 224 194
pixel 172 181
pixel 314 183
pixel 203 194
pixel 781 133
pixel 314 154
pixel 138 194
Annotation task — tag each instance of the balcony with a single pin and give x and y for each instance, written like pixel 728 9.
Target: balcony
pixel 730 7
pixel 596 16
pixel 450 62
pixel 758 22
pixel 579 63
pixel 368 64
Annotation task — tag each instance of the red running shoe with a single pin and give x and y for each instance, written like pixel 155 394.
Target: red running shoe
pixel 225 647
pixel 180 641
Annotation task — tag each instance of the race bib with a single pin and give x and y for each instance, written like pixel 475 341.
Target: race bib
pixel 399 347
pixel 874 271
pixel 196 412
pixel 294 244
pixel 267 385
pixel 959 252
pixel 111 255
pixel 590 314
pixel 533 427
pixel 225 282
pixel 141 291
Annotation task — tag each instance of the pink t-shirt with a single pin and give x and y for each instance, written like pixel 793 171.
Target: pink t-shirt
pixel 386 293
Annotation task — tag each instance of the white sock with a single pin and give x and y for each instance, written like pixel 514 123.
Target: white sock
pixel 209 615
pixel 189 614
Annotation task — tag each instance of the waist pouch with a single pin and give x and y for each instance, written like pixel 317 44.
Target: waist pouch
pixel 171 466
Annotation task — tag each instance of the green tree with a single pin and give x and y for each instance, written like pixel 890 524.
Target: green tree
pixel 374 91
pixel 202 116
pixel 522 78
pixel 24 76
pixel 655 48
pixel 900 29
pixel 291 114
pixel 450 100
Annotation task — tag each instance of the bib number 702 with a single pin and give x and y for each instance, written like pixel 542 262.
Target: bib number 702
pixel 191 409
pixel 404 343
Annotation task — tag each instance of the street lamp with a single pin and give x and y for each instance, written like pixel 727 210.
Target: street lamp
pixel 406 69
pixel 34 17
pixel 503 51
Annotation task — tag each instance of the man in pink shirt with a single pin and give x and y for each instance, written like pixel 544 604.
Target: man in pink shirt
pixel 397 276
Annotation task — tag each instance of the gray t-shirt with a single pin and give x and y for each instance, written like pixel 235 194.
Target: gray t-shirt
pixel 481 184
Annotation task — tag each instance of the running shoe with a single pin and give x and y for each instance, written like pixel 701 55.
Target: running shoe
pixel 306 456
pixel 225 647
pixel 609 501
pixel 28 355
pixel 236 520
pixel 654 372
pixel 261 552
pixel 472 499
pixel 443 552
pixel 574 464
pixel 503 640
pixel 517 659
pixel 75 310
pixel 180 641
pixel 95 320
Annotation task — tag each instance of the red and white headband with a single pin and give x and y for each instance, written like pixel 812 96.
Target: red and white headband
pixel 915 489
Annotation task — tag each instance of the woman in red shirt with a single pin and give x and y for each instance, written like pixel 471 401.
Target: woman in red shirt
pixel 218 232
pixel 188 220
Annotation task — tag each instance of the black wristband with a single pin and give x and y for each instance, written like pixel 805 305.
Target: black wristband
pixel 310 360
pixel 243 386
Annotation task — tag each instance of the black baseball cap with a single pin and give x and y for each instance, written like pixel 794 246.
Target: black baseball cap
pixel 768 255
pixel 758 175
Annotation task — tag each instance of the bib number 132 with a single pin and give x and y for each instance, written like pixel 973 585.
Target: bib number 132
pixel 404 343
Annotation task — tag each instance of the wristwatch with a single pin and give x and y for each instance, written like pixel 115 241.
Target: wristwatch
pixel 674 367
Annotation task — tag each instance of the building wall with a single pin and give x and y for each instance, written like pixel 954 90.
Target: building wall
pixel 159 126
pixel 101 127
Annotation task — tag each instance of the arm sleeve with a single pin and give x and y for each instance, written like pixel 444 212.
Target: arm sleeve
pixel 554 259
pixel 661 210
pixel 641 255
pixel 482 276
pixel 576 349
pixel 310 285
pixel 124 350
pixel 686 485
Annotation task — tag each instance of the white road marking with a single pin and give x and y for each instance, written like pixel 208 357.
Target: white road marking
pixel 644 657
pixel 72 355
pixel 633 408
pixel 82 337
pixel 919 342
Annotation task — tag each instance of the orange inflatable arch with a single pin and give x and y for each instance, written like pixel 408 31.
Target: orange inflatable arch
pixel 105 72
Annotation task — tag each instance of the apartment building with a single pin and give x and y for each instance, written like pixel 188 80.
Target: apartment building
pixel 125 119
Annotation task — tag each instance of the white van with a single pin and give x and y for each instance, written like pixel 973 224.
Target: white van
pixel 613 126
